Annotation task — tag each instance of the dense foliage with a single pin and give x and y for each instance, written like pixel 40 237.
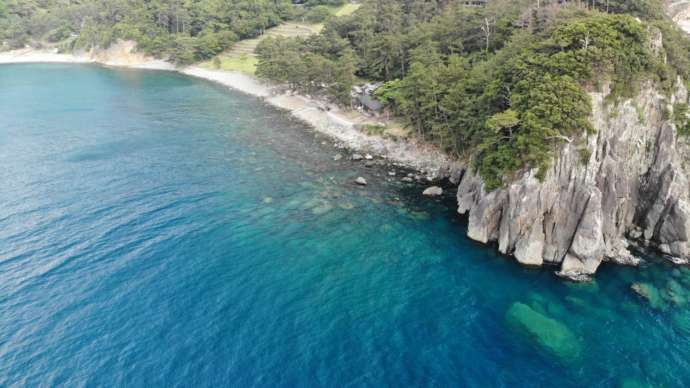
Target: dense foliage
pixel 184 30
pixel 319 63
pixel 505 84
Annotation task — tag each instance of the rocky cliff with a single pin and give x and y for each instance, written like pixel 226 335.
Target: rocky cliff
pixel 627 182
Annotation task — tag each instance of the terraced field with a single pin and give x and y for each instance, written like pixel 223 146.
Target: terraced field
pixel 242 56
pixel 247 47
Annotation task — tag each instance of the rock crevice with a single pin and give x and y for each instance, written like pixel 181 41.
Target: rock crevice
pixel 633 185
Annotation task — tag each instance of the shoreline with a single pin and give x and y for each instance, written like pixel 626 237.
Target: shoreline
pixel 425 158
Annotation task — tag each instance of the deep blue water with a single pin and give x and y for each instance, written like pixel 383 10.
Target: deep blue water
pixel 158 230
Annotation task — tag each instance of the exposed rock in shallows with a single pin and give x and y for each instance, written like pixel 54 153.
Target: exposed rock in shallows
pixel 361 181
pixel 432 191
pixel 356 157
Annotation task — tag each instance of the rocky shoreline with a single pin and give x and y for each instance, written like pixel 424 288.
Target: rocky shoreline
pixel 329 120
pixel 631 188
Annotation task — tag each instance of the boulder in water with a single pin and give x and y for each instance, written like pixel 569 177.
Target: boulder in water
pixel 322 208
pixel 361 181
pixel 549 333
pixel 346 205
pixel 433 191
pixel 634 383
pixel 651 294
pixel 356 157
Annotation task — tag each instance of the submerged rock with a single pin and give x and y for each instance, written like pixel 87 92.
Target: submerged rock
pixel 634 383
pixel 676 293
pixel 346 205
pixel 419 215
pixel 651 294
pixel 681 322
pixel 433 191
pixel 361 181
pixel 547 332
pixel 322 208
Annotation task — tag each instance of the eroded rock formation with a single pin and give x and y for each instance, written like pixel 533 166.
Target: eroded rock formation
pixel 629 181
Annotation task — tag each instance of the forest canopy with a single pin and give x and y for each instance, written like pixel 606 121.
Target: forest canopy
pixel 184 31
pixel 504 85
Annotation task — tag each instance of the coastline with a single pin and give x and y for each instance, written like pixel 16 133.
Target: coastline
pixel 332 121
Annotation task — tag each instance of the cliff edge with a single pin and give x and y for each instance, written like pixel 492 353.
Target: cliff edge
pixel 628 182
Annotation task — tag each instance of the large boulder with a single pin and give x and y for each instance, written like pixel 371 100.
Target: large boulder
pixel 433 191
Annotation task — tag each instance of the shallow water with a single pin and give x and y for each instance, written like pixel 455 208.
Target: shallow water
pixel 159 230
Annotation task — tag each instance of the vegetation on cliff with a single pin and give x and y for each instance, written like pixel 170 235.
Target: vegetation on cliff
pixel 505 84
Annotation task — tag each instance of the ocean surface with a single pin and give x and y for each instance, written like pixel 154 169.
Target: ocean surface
pixel 160 230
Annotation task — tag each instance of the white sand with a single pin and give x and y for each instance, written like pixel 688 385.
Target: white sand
pixel 118 56
pixel 235 80
pixel 332 122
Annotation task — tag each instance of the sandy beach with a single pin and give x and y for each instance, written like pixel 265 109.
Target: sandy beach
pixel 341 126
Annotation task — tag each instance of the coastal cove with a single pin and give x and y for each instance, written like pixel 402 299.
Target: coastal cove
pixel 518 216
pixel 160 229
pixel 343 128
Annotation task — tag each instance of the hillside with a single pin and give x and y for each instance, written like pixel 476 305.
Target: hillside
pixel 183 32
pixel 571 117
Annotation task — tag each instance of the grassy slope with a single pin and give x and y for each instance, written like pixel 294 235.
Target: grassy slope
pixel 241 56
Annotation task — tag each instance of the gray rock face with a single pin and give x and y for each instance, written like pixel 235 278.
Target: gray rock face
pixel 634 184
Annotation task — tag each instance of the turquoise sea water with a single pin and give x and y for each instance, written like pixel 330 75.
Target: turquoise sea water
pixel 158 230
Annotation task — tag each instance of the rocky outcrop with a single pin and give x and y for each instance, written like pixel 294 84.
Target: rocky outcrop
pixel 627 181
pixel 433 191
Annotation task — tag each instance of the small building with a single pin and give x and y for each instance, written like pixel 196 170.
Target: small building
pixel 369 103
pixel 363 99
